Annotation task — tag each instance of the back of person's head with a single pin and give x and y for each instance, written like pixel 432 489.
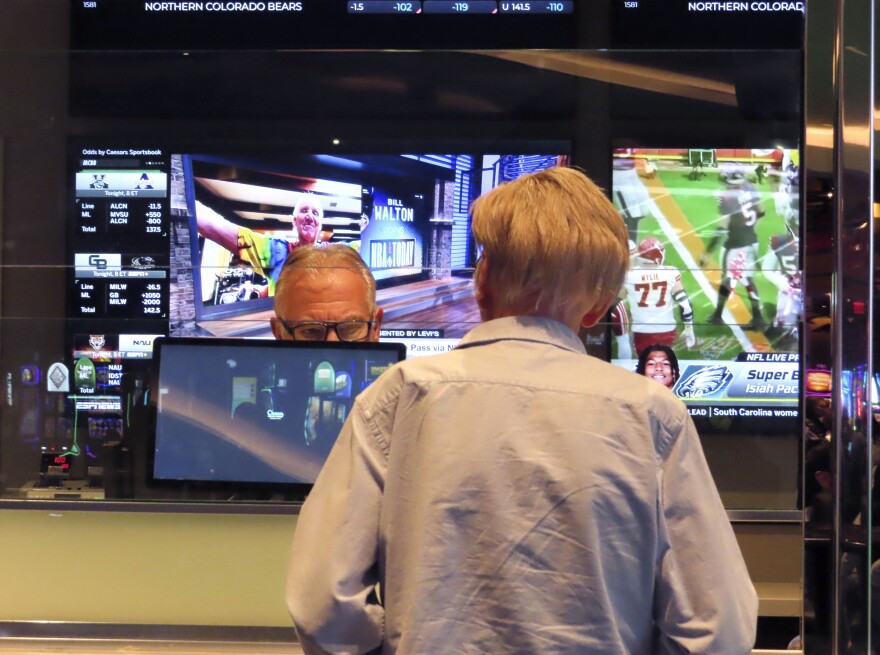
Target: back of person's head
pixel 551 239
pixel 313 260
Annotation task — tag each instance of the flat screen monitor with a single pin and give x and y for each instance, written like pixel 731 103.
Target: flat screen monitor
pixel 707 24
pixel 189 241
pixel 407 214
pixel 143 265
pixel 715 276
pixel 244 414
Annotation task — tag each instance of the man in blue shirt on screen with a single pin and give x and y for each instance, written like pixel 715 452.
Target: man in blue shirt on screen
pixel 516 495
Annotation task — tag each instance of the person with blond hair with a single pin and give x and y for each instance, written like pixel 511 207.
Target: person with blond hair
pixel 516 495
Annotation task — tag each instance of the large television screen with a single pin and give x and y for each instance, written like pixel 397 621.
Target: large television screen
pixel 143 263
pixel 188 241
pixel 715 277
pixel 407 215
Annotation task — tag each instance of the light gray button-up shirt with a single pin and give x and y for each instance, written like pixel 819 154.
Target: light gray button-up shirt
pixel 518 496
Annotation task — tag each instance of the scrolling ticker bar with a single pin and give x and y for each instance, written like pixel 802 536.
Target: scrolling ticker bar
pixel 460 7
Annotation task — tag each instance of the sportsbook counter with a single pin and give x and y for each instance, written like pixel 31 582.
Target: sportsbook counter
pixel 204 575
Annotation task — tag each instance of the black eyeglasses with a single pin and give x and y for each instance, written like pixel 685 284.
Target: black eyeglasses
pixel 318 330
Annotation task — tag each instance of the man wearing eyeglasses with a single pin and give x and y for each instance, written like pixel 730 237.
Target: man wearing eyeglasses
pixel 326 294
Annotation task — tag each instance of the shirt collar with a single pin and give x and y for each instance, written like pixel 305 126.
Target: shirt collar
pixel 524 328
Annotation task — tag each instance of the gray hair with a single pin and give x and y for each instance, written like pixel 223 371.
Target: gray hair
pixel 316 260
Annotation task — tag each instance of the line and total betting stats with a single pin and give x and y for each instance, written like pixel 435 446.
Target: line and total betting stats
pixel 98 25
pixel 459 7
pixel 357 6
pixel 120 233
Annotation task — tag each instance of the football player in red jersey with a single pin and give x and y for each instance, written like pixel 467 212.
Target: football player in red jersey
pixel 620 329
pixel 653 290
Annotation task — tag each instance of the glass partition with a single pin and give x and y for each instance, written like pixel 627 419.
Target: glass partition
pixel 118 177
pixel 128 129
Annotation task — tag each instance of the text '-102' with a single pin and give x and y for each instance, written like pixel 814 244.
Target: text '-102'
pixel 384 7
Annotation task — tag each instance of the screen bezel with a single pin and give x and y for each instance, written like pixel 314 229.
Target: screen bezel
pixel 258 490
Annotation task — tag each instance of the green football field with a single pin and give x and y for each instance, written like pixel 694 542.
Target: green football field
pixel 691 212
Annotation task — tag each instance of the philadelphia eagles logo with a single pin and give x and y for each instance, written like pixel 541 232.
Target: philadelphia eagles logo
pixel 704 381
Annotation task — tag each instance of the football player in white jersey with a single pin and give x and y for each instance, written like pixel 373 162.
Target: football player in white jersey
pixel 653 290
pixel 630 194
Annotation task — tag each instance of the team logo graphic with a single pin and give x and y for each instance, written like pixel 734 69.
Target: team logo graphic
pixel 98 181
pixel 143 262
pixel 97 341
pixel 98 262
pixel 704 381
pixel 715 347
pixel 144 182
pixel 58 378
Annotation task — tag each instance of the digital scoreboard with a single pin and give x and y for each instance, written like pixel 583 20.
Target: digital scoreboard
pixel 435 24
pixel 119 234
pixel 321 24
